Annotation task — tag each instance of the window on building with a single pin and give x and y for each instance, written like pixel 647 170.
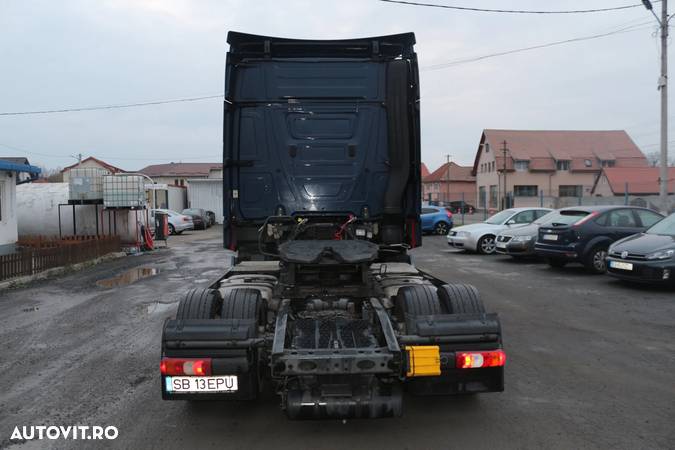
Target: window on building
pixel 493 196
pixel 607 163
pixel 175 182
pixel 182 182
pixel 562 165
pixel 570 191
pixel 487 147
pixel 481 197
pixel 521 165
pixel 525 191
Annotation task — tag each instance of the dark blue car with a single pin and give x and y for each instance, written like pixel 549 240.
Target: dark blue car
pixel 584 233
pixel 436 219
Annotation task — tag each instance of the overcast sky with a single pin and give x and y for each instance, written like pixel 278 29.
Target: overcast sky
pixel 58 54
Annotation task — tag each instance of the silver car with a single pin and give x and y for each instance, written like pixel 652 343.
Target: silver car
pixel 480 237
pixel 177 222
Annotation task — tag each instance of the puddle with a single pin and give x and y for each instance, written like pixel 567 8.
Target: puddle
pixel 160 308
pixel 128 277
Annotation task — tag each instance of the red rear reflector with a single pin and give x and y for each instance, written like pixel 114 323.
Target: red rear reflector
pixel 181 366
pixel 448 213
pixel 477 360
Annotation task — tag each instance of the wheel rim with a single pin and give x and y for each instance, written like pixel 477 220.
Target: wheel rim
pixel 599 260
pixel 487 244
pixel 172 230
pixel 441 228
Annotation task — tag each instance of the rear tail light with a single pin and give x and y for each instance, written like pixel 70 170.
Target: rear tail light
pixel 186 219
pixel 585 219
pixel 181 366
pixel 477 360
pixel 448 213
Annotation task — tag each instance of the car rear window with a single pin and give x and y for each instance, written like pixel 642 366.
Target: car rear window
pixel 569 217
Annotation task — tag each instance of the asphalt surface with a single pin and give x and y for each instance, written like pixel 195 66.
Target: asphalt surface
pixel 591 363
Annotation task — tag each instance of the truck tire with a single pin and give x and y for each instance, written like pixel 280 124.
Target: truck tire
pixel 200 304
pixel 460 299
pixel 243 304
pixel 417 300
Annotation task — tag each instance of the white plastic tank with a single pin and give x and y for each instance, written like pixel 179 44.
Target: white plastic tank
pixel 86 184
pixel 124 191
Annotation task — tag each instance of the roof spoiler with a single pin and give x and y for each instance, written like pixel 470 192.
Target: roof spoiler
pixel 250 46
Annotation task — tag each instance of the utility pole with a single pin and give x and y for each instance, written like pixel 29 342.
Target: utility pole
pixel 447 179
pixel 504 151
pixel 663 87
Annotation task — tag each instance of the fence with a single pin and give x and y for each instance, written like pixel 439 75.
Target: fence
pixel 38 253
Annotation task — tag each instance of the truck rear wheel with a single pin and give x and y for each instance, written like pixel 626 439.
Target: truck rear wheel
pixel 460 299
pixel 243 304
pixel 419 300
pixel 200 304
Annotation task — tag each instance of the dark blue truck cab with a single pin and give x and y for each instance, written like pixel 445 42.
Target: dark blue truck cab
pixel 322 203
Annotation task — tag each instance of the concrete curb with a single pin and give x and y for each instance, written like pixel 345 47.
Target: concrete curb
pixel 56 271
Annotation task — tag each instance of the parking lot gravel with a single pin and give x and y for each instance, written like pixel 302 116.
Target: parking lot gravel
pixel 590 362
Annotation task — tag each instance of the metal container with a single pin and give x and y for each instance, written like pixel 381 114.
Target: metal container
pixel 124 191
pixel 86 184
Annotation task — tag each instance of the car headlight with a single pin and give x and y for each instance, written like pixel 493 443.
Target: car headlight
pixel 663 254
pixel 523 238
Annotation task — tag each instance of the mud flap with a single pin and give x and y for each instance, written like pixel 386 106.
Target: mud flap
pixel 230 343
pixel 453 333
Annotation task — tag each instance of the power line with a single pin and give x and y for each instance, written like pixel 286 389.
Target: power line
pixel 127 105
pixel 514 11
pixel 445 65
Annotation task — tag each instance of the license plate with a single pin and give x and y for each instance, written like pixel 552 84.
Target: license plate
pixel 620 265
pixel 500 244
pixel 177 385
pixel 550 237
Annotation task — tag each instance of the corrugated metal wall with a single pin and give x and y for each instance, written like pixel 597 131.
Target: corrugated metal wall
pixel 207 194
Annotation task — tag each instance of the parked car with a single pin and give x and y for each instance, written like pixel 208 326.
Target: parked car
pixel 584 233
pixel 456 207
pixel 199 217
pixel 436 219
pixel 647 257
pixel 212 217
pixel 177 222
pixel 480 237
pixel 519 242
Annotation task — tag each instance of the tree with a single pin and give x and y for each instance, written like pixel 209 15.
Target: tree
pixel 654 159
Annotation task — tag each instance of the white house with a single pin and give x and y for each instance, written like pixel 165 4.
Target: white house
pixel 12 172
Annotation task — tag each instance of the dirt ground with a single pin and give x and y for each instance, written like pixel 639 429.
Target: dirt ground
pixel 590 363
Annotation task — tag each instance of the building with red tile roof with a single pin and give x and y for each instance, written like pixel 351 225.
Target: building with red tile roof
pixel 556 163
pixel 90 162
pixel 450 182
pixel 634 181
pixel 178 173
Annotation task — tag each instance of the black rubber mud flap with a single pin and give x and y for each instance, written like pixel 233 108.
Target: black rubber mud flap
pixel 417 300
pixel 460 299
pixel 243 304
pixel 200 304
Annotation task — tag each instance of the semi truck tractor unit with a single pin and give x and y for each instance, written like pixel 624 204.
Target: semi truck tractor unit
pixel 322 303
